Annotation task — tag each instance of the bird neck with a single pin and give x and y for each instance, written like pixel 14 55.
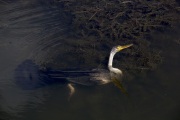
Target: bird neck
pixel 111 60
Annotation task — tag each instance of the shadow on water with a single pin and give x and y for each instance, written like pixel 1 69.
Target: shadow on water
pixel 34 33
pixel 28 76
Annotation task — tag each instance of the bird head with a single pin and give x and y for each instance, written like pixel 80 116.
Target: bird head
pixel 121 47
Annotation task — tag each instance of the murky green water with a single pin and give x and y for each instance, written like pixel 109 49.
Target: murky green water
pixel 39 31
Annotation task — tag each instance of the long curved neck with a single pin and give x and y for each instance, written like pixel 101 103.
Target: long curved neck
pixel 111 60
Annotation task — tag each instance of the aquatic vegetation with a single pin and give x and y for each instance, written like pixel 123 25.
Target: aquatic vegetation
pixel 116 19
pixel 120 22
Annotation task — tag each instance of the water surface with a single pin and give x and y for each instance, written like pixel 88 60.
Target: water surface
pixel 38 31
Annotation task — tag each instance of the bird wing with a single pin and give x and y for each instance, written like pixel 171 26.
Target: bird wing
pixel 73 76
pixel 93 77
pixel 100 76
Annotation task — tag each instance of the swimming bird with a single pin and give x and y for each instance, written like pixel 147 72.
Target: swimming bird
pixel 95 76
pixel 29 76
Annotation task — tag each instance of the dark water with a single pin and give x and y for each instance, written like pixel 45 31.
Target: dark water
pixel 34 34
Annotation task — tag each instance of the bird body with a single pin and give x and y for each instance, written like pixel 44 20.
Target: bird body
pixel 29 76
pixel 96 76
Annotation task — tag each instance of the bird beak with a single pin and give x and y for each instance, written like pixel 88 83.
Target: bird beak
pixel 123 47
